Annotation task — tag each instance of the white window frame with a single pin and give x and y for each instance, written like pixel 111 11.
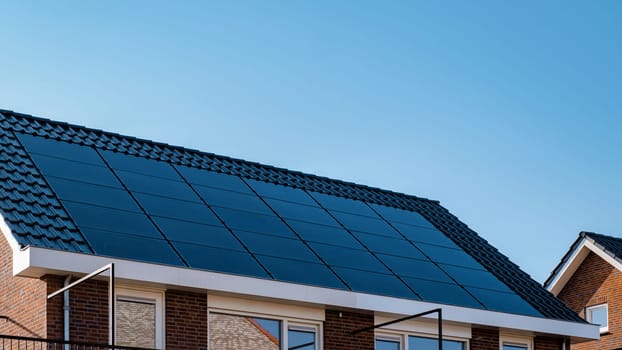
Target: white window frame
pixel 588 317
pixel 515 340
pixel 287 323
pixel 402 337
pixel 393 337
pixel 151 295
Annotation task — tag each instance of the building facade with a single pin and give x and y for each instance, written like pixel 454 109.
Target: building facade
pixel 216 253
pixel 589 281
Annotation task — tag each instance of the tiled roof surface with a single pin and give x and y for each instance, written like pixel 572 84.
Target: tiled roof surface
pixel 37 218
pixel 611 245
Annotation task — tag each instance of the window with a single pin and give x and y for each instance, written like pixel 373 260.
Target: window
pixel 139 318
pixel 232 332
pixel 387 344
pixel 394 342
pixel 598 314
pixel 515 343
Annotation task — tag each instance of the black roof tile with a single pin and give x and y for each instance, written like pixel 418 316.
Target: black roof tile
pixel 37 217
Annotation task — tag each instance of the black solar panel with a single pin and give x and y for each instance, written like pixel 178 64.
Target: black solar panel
pixel 147 210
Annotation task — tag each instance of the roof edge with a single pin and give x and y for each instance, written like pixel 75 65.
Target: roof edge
pixel 574 257
pixel 43 260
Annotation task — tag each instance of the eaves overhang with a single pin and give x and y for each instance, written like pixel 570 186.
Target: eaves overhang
pixel 36 262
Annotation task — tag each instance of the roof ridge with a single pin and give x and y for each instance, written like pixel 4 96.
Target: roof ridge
pixel 222 157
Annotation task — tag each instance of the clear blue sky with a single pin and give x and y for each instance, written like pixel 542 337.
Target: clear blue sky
pixel 509 113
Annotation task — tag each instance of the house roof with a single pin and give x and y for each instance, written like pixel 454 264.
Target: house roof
pixel 71 188
pixel 607 247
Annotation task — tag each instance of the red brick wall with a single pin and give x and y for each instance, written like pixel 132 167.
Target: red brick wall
pixel 88 310
pixel 186 320
pixel 22 299
pixel 547 343
pixel 88 313
pixel 596 282
pixel 339 324
pixel 54 309
pixel 484 339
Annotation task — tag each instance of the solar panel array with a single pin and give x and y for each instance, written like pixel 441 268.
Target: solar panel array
pixel 147 210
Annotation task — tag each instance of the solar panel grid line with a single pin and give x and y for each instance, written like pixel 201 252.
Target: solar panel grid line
pixel 368 250
pixel 65 213
pixel 429 258
pixel 223 223
pixel 182 259
pixel 299 237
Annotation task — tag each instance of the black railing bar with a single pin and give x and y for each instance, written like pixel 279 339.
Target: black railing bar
pixel 396 321
pixel 301 346
pixel 78 343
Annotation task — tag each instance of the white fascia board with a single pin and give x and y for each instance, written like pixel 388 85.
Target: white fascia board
pixel 583 248
pixel 424 326
pixel 20 258
pixel 41 261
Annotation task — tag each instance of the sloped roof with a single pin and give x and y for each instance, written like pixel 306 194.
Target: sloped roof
pixel 37 215
pixel 611 245
pixel 607 247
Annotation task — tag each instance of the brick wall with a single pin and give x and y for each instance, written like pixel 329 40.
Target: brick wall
pixel 484 339
pixel 186 320
pixel 22 300
pixel 547 343
pixel 89 312
pixel 339 324
pixel 596 282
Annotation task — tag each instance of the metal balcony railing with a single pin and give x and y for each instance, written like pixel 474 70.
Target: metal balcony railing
pixel 12 342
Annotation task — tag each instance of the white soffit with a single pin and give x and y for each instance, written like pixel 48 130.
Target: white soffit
pixel 583 248
pixel 35 262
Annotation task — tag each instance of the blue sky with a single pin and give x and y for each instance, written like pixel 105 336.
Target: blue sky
pixel 509 113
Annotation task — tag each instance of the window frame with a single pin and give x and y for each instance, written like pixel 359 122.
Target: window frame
pixel 588 309
pixel 515 340
pixel 287 323
pixel 402 337
pixel 141 295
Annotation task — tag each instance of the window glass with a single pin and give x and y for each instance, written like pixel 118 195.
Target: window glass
pixel 300 339
pixel 136 322
pixel 421 343
pixel 598 315
pixel 387 344
pixel 232 332
pixel 514 347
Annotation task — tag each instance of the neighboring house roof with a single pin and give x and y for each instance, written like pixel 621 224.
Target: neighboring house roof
pixel 46 203
pixel 607 247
